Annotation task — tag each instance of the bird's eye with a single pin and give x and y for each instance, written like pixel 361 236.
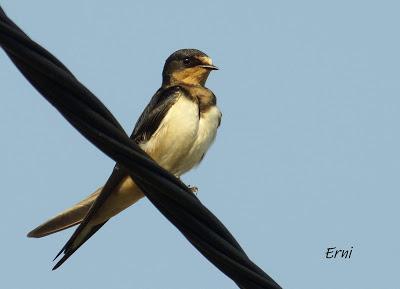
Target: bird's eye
pixel 187 61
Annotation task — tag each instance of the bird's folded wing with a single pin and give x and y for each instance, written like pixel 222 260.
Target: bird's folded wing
pixel 66 219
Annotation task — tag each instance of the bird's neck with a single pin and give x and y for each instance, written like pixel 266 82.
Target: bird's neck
pixel 198 93
pixel 174 82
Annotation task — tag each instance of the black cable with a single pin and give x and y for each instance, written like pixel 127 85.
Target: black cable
pixel 95 122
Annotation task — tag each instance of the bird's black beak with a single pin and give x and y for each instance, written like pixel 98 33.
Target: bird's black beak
pixel 209 66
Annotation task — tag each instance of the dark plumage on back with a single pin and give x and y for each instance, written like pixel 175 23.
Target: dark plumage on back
pixel 154 113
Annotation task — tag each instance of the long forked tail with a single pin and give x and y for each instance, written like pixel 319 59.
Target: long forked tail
pixel 107 204
pixel 68 250
pixel 66 219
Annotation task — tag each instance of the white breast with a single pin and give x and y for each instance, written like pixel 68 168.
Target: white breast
pixel 208 125
pixel 183 137
pixel 174 138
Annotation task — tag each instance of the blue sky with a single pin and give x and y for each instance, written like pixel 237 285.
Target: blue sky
pixel 307 156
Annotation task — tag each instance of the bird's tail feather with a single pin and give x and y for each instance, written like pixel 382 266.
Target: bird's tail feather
pixel 68 249
pixel 66 219
pixel 123 196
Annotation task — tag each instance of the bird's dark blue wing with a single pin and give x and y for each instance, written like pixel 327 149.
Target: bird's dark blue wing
pixel 154 113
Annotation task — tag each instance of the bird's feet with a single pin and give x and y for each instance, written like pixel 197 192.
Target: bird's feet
pixel 194 190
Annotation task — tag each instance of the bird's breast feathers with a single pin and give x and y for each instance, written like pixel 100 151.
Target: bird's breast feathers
pixel 183 136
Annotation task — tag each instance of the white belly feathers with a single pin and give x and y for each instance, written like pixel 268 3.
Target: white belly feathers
pixel 183 138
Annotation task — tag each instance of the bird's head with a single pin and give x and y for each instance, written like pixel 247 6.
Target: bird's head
pixel 187 66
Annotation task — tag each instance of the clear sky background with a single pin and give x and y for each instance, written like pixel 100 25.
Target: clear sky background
pixel 307 156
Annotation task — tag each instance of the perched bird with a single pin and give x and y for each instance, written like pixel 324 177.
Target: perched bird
pixel 175 129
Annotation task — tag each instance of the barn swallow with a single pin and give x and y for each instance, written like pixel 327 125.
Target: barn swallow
pixel 175 129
